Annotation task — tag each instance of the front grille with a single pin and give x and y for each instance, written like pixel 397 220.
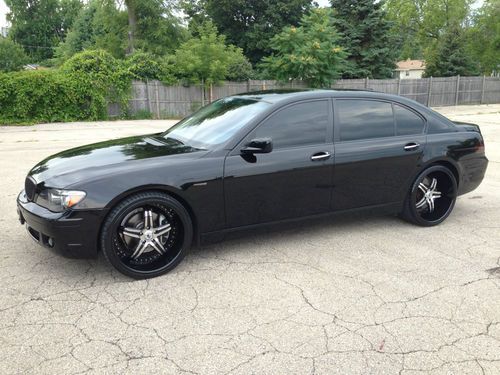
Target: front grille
pixel 30 188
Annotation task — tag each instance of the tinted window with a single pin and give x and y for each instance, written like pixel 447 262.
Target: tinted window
pixel 297 125
pixel 364 119
pixel 438 125
pixel 407 122
pixel 215 123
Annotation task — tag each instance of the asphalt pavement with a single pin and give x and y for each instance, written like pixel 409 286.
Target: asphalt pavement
pixel 357 294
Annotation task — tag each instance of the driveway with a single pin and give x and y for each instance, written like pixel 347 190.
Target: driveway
pixel 357 294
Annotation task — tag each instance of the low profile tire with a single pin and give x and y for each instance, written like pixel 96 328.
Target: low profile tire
pixel 431 197
pixel 146 235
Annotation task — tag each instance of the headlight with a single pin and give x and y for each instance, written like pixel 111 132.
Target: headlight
pixel 58 200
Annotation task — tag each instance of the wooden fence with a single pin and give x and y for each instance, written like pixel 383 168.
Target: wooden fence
pixel 154 99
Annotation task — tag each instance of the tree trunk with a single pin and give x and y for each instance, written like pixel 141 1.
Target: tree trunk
pixel 132 22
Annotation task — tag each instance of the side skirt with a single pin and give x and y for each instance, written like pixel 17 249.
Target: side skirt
pixel 218 236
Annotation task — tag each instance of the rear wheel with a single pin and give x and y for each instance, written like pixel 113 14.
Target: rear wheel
pixel 146 235
pixel 431 197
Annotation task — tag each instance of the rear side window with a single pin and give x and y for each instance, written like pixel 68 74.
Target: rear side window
pixel 407 122
pixel 364 119
pixel 297 125
pixel 438 125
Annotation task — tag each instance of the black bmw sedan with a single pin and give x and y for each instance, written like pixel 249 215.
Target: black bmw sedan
pixel 249 160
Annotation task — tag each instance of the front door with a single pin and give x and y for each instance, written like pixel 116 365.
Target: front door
pixel 294 179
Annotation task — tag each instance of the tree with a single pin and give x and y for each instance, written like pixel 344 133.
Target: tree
pixel 310 52
pixel 39 25
pixel 206 58
pixel 450 57
pixel 249 24
pixel 12 56
pixel 153 27
pixel 419 24
pixel 367 38
pixel 98 25
pixel 484 37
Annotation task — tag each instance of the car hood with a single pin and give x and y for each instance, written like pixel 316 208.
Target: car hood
pixel 101 159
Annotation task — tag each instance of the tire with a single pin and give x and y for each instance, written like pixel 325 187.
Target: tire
pixel 146 235
pixel 431 198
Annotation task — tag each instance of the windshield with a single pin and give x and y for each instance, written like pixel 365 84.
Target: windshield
pixel 215 123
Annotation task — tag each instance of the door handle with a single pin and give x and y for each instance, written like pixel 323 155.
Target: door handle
pixel 321 156
pixel 411 146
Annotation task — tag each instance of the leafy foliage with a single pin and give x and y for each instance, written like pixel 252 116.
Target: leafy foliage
pixel 310 52
pixel 98 25
pixel 450 57
pixel 419 24
pixel 484 36
pixel 144 65
pixel 249 24
pixel 239 69
pixel 158 30
pixel 12 56
pixel 80 90
pixel 366 37
pixel 206 57
pixel 39 25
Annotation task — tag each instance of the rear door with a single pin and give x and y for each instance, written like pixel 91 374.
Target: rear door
pixel 378 147
pixel 291 181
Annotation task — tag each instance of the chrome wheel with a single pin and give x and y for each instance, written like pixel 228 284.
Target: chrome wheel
pixel 435 195
pixel 147 235
pixel 428 194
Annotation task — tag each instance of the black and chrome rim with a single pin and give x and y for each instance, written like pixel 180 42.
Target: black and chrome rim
pixel 148 238
pixel 435 196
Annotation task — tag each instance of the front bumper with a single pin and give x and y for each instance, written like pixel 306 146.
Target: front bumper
pixel 72 234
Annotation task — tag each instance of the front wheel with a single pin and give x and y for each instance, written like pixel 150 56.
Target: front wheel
pixel 146 235
pixel 431 197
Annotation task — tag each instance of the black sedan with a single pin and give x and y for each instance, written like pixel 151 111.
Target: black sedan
pixel 248 160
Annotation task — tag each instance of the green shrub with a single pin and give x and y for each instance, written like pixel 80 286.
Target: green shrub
pixel 144 66
pixel 12 56
pixel 80 90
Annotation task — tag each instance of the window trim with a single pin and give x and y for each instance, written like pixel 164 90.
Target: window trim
pixel 329 129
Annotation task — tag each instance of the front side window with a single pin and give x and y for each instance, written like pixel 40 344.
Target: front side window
pixel 297 125
pixel 215 123
pixel 407 122
pixel 364 119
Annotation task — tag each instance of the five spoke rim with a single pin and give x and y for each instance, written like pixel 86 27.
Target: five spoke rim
pixel 150 236
pixel 430 194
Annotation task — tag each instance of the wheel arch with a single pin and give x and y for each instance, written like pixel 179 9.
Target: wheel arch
pixel 447 164
pixel 153 188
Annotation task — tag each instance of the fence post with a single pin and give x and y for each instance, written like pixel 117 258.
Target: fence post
pixel 157 99
pixel 399 86
pixel 482 90
pixel 366 82
pixel 148 100
pixel 429 92
pixel 456 92
pixel 248 85
pixel 211 94
pixel 202 92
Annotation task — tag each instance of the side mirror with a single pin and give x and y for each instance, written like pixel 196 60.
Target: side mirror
pixel 258 146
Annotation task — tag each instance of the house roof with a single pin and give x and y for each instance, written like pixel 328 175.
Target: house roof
pixel 410 65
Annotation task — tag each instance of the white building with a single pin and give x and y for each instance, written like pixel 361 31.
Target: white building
pixel 409 69
pixel 4 31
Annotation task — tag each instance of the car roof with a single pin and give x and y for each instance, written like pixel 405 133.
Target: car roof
pixel 291 95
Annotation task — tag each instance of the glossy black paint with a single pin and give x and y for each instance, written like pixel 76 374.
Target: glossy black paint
pixel 224 189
